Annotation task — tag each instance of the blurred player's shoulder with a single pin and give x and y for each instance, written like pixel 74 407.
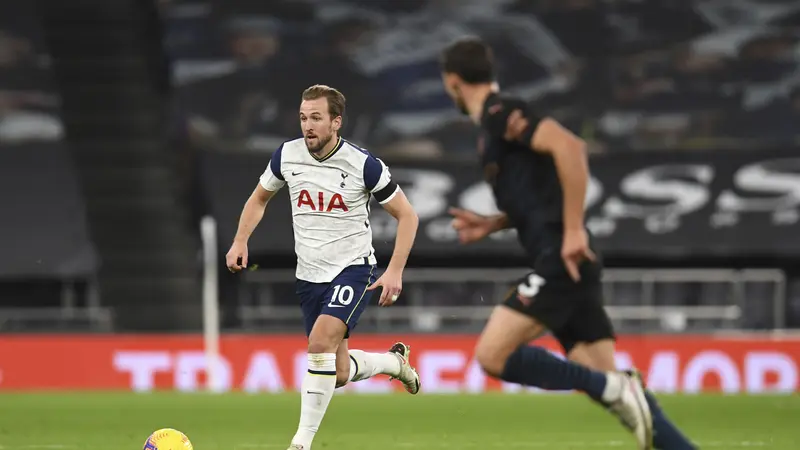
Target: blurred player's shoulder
pixel 501 105
pixel 497 109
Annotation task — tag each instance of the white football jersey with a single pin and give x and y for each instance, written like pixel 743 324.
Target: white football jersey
pixel 330 204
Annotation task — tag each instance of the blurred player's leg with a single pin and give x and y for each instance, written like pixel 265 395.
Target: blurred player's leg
pixel 666 436
pixel 502 354
pixel 320 379
pixel 599 355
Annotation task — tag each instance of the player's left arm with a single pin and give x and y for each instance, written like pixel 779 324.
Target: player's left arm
pixel 510 120
pixel 407 222
pixel 546 135
pixel 379 183
pixel 569 155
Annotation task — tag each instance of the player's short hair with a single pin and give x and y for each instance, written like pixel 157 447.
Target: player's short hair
pixel 336 100
pixel 470 58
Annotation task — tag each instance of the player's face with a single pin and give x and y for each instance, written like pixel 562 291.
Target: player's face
pixel 452 84
pixel 315 121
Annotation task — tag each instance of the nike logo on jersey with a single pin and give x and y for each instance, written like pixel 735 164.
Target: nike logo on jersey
pixel 294 174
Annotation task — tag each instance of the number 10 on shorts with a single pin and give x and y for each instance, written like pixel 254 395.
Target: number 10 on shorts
pixel 342 296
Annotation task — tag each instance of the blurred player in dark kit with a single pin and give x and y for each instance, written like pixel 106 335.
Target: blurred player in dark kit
pixel 538 172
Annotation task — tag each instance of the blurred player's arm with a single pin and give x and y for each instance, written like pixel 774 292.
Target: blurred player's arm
pixel 495 222
pixel 569 155
pixel 499 222
pixel 473 227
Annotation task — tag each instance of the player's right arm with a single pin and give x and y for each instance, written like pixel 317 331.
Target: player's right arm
pixel 472 227
pixel 252 213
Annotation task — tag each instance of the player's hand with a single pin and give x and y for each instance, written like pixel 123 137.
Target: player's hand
pixel 515 125
pixel 575 250
pixel 236 259
pixel 392 282
pixel 471 227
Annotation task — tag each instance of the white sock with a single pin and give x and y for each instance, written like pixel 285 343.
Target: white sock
pixel 614 386
pixel 316 392
pixel 365 365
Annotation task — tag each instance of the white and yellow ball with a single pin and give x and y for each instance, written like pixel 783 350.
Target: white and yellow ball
pixel 167 439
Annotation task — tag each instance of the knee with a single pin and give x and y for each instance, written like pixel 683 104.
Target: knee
pixel 326 335
pixel 597 356
pixel 320 342
pixel 491 360
pixel 317 346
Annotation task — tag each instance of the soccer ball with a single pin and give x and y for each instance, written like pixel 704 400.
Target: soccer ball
pixel 167 439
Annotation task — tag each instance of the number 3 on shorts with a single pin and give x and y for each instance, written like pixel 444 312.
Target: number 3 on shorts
pixel 342 296
pixel 530 287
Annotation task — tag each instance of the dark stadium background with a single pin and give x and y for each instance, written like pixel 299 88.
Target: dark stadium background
pixel 125 123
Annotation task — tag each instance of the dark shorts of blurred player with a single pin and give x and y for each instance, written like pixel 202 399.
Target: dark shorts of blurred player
pixel 549 300
pixel 572 311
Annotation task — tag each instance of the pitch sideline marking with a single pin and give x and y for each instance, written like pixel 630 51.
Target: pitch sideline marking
pixel 38 446
pixel 559 444
pixel 584 444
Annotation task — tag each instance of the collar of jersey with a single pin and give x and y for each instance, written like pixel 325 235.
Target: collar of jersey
pixel 339 144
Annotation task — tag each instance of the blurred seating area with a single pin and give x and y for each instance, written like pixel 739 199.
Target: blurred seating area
pixel 49 260
pixel 29 101
pixel 625 74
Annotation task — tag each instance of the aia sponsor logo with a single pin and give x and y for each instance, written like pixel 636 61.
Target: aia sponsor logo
pixel 322 201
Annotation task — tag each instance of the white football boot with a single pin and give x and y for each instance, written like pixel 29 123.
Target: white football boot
pixel 633 411
pixel 408 375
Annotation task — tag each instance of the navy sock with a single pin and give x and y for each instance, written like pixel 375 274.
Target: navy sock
pixel 535 366
pixel 666 435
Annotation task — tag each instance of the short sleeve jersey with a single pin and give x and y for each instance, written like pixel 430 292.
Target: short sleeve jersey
pixel 330 204
pixel 525 183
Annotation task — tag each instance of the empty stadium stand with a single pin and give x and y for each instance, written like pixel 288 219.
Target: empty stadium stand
pixel 623 74
pixel 49 262
pixel 113 80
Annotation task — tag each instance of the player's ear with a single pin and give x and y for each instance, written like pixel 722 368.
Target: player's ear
pixel 337 123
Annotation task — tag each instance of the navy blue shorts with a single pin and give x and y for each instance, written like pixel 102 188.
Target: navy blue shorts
pixel 345 297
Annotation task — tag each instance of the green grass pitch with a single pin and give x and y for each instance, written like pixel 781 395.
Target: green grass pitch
pixel 116 421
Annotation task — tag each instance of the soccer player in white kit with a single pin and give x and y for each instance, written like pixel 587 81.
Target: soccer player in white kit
pixel 331 182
